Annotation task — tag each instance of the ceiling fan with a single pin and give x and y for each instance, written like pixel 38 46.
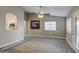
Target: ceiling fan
pixel 41 12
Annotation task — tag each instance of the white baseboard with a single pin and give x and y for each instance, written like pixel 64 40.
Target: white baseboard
pixel 2 46
pixel 75 49
pixel 45 36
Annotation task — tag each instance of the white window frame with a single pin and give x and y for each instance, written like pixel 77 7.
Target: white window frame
pixel 51 25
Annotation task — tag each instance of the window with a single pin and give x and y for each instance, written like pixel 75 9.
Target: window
pixel 68 25
pixel 50 26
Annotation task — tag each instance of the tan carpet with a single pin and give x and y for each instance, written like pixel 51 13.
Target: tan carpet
pixel 30 47
pixel 41 45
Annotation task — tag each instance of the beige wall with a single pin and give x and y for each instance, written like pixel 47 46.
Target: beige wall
pixel 60 32
pixel 25 24
pixel 7 37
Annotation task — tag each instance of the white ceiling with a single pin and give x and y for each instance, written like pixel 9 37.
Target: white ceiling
pixel 52 10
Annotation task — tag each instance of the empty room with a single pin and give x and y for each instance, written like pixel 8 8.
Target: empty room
pixel 39 29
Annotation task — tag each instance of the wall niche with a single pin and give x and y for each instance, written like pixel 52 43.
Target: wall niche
pixel 11 21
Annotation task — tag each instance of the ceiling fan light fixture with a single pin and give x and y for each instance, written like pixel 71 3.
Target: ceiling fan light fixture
pixel 40 14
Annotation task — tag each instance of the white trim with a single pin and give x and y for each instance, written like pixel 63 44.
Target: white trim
pixel 45 36
pixel 10 43
pixel 76 50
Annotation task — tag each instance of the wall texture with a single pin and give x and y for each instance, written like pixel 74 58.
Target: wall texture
pixel 60 32
pixel 7 37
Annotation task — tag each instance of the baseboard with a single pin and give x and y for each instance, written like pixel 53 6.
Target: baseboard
pixel 8 45
pixel 76 50
pixel 45 36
